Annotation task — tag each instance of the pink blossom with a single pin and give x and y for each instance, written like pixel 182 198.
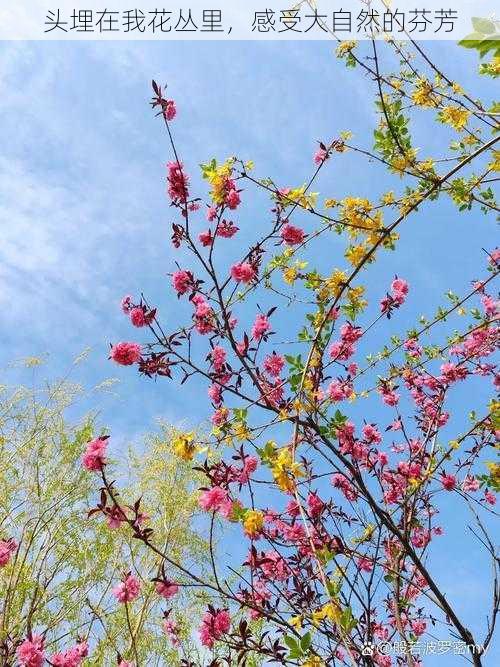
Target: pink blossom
pixel 470 484
pixel 490 497
pixel 126 354
pixel 215 624
pixel 94 458
pixel 171 629
pixel 138 317
pixel 226 230
pixel 206 238
pixel 399 288
pixel 218 356
pixel 292 235
pixel 243 272
pixel 177 183
pixel 212 500
pixel 490 305
pixel 418 626
pixel 420 537
pixel 167 589
pixel 126 304
pixel 211 213
pixel 382 458
pixel 128 589
pixel 215 393
pixel 182 281
pixel 448 481
pixel 338 391
pixel 169 109
pixel 371 434
pixel 73 657
pixel 7 548
pixel 315 505
pixel 320 155
pixel 249 466
pixel 30 653
pixel 273 364
pixel 220 416
pixel 261 326
pixel 495 256
pixel 233 199
pixel 365 564
pixel 389 396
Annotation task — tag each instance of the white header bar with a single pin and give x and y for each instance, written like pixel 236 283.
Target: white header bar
pixel 240 19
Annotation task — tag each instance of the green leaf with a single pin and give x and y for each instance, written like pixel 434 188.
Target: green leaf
pixel 305 642
pixel 483 26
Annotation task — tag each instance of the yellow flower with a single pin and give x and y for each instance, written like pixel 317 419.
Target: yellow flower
pixel 184 446
pixel 330 203
pixel 296 622
pixel 388 198
pixel 424 96
pixel 336 282
pixel 400 163
pixel 315 661
pixel 331 610
pixel 426 165
pixel 495 164
pixel 285 470
pixel 355 253
pixel 494 469
pixel 344 48
pixel 253 522
pixel 241 431
pixel 457 117
pixel 290 275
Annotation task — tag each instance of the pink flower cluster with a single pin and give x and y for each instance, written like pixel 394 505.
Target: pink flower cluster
pixel 260 327
pixel 243 272
pixel 167 589
pixel 216 499
pixel 30 652
pixel 73 657
pixel 171 629
pixel 169 109
pixel 178 183
pixel 292 235
pixel 125 353
pixel 343 349
pixel 273 364
pixel 203 315
pixel 218 356
pixel 320 156
pixel 128 589
pixel 94 458
pixel 399 292
pixel 215 624
pixel 7 548
pixel 182 281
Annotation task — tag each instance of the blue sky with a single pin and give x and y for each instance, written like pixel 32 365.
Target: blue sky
pixel 85 219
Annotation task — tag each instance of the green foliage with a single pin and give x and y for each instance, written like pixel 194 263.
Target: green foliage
pixel 60 579
pixel 485 38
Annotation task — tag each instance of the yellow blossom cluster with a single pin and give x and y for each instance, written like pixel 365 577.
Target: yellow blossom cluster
pixel 357 212
pixel 217 176
pixel 331 611
pixel 285 470
pixel 424 95
pixel 457 117
pixel 184 446
pixel 253 522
